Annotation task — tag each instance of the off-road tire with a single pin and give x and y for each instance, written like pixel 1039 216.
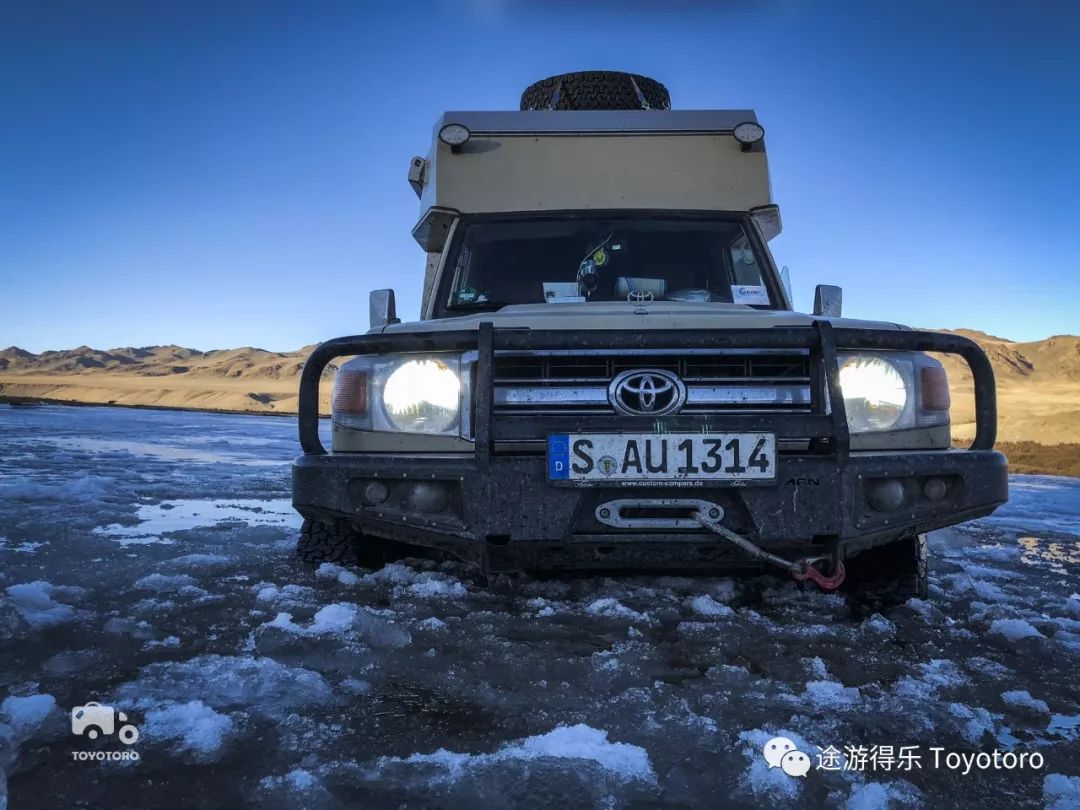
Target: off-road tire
pixel 889 575
pixel 595 90
pixel 338 542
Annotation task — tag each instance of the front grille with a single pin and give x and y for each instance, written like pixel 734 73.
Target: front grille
pixel 716 381
pixel 555 369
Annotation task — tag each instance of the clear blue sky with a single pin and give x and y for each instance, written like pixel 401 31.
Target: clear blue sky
pixel 225 174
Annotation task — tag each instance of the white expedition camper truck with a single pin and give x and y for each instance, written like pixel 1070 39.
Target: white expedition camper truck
pixel 608 372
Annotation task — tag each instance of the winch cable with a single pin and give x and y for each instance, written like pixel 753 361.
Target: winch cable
pixel 801 570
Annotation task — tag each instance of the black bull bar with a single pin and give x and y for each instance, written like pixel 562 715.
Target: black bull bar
pixel 825 426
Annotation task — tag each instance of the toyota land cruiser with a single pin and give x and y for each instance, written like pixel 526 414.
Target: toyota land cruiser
pixel 608 372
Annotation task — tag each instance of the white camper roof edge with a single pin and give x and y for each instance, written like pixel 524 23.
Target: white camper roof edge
pixel 596 122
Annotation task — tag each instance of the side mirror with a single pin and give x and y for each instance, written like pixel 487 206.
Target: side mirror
pixel 828 300
pixel 383 308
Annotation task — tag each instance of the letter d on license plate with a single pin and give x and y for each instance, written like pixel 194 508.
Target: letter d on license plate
pixel 688 459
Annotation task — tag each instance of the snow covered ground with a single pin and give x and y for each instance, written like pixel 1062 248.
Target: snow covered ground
pixel 145 563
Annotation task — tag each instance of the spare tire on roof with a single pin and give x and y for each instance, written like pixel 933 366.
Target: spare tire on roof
pixel 596 90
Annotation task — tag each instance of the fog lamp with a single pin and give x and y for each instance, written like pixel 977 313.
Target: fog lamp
pixel 885 494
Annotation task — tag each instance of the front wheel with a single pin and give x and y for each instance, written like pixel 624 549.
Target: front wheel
pixel 890 574
pixel 337 542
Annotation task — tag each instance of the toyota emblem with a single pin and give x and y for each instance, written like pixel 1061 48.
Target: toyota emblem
pixel 647 392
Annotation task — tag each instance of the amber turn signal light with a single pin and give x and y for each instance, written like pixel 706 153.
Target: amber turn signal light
pixel 350 392
pixel 934 389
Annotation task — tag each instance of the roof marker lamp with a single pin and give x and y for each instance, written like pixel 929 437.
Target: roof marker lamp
pixel 454 136
pixel 748 133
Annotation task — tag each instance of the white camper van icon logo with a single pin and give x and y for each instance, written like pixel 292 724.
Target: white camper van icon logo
pixel 95 720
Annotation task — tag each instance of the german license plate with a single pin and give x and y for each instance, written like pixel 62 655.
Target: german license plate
pixel 679 459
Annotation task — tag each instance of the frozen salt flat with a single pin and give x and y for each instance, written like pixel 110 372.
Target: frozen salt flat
pixel 145 563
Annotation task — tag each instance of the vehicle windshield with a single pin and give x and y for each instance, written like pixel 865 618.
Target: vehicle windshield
pixel 583 260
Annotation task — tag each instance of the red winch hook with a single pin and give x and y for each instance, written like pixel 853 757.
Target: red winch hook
pixel 807 571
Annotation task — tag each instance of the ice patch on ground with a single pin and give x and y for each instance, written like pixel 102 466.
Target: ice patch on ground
pixel 260 685
pixel 341 619
pixel 975 722
pixel 201 561
pixel 1072 606
pixel 23 548
pixel 164 452
pixel 129 627
pixel 816 667
pixel 26 714
pixel 1022 699
pixel 1064 725
pixel 411 582
pixel 332 571
pixel 879 795
pixel 335 618
pixel 162 583
pixel 1061 792
pixel 180 515
pixel 611 607
pixel 34 602
pixel 439 588
pixel 80 489
pixel 287 595
pixel 934 675
pixel 964 583
pixel 168 641
pixel 878 624
pixel 298 781
pixel 830 695
pixel 1014 629
pixel 193 726
pixel 392 574
pixel 705 605
pixel 580 742
pixel 1037 503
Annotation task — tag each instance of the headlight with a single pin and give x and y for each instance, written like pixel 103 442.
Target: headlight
pixel 406 393
pixel 422 396
pixel 877 393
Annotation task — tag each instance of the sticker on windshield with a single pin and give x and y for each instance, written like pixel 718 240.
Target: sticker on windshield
pixel 749 294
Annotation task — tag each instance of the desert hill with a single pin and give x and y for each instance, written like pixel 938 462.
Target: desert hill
pixel 1038 386
pixel 1038 382
pixel 247 379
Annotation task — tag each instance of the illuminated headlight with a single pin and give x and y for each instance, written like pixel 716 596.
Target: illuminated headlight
pixel 422 396
pixel 401 393
pixel 877 393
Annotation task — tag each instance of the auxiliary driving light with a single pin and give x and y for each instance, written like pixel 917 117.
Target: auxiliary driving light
pixel 748 133
pixel 454 135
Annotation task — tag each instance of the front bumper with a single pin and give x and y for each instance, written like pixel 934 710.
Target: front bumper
pixel 507 516
pixel 497 508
